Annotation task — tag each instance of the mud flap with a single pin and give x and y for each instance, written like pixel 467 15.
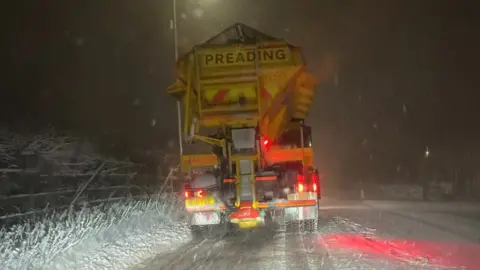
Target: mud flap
pixel 208 225
pixel 205 218
pixel 301 213
pixel 301 219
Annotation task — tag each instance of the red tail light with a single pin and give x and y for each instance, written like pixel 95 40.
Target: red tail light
pixel 200 193
pixel 190 194
pixel 300 186
pixel 314 182
pixel 266 144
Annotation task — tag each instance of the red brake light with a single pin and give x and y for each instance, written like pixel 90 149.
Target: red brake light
pixel 199 193
pixel 300 187
pixel 187 194
pixel 315 183
pixel 266 144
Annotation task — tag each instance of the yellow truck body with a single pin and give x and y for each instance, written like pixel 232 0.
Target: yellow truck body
pixel 264 84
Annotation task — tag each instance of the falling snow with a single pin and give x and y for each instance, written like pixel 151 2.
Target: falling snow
pixel 79 41
pixel 198 12
pixel 136 102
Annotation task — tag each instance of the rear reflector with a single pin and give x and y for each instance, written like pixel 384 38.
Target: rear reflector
pixel 247 213
pixel 266 178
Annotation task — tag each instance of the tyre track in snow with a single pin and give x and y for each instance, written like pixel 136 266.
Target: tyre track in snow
pixel 246 250
pixel 296 252
pixel 263 248
pixel 174 259
pixel 235 251
pixel 240 251
pixel 316 251
pixel 340 224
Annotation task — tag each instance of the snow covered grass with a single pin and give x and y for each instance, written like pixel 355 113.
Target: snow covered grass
pixel 114 235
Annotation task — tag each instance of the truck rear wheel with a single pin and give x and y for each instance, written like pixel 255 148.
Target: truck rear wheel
pixel 196 231
pixel 310 225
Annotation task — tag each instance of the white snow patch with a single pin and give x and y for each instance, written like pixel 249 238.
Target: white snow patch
pixel 115 236
pixel 79 41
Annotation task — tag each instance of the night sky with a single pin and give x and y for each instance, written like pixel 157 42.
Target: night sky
pixel 407 71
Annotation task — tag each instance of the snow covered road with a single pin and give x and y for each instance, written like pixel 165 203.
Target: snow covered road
pixel 351 235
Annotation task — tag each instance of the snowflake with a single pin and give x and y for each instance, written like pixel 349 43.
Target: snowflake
pixel 198 12
pixel 79 41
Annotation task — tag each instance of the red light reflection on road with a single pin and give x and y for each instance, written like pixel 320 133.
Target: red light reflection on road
pixel 411 251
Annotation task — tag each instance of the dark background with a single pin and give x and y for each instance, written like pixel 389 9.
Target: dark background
pixel 406 74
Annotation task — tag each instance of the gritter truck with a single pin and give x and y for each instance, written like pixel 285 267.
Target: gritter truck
pixel 245 96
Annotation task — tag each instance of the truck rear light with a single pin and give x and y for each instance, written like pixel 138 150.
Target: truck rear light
pixel 199 193
pixel 300 187
pixel 314 182
pixel 266 144
pixel 188 194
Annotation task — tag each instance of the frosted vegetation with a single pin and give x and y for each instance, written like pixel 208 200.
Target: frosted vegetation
pixel 66 154
pixel 115 235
